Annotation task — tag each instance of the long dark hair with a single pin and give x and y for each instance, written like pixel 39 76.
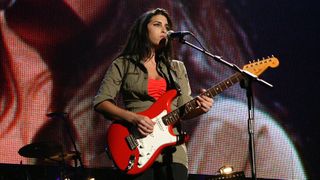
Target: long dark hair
pixel 138 43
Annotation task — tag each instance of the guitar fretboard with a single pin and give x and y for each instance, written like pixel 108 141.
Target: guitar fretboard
pixel 190 106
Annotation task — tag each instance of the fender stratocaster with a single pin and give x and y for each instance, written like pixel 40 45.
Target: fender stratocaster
pixel 134 154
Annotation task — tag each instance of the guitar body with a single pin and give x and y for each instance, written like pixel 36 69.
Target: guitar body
pixel 138 159
pixel 133 154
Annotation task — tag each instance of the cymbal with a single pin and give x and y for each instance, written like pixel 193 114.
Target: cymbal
pixel 62 157
pixel 40 150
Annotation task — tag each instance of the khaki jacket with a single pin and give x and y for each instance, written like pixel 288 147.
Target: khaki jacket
pixel 131 81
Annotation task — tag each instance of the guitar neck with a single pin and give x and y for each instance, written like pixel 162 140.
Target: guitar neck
pixel 190 106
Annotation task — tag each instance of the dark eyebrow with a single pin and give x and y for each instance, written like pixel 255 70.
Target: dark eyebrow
pixel 157 21
pixel 160 22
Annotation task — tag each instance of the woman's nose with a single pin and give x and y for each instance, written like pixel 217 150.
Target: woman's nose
pixel 164 29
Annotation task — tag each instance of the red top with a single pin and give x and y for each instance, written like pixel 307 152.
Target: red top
pixel 157 87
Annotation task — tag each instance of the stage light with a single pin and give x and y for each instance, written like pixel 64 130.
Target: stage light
pixel 226 169
pixel 91 178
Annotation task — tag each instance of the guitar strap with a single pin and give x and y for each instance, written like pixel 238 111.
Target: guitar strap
pixel 173 79
pixel 175 84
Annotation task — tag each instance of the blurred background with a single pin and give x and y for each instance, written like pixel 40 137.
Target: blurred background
pixel 54 54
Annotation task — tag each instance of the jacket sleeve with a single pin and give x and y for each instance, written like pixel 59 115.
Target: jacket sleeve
pixel 183 81
pixel 111 83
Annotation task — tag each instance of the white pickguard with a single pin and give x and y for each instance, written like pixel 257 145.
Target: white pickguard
pixel 149 144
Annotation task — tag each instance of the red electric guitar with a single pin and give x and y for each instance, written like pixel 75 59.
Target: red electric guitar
pixel 133 154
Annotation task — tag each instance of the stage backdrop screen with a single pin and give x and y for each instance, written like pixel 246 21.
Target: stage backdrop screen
pixel 54 54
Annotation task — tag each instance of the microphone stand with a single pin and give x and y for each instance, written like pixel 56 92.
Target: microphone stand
pixel 65 119
pixel 247 84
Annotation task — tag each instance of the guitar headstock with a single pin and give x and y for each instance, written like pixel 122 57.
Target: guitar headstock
pixel 259 66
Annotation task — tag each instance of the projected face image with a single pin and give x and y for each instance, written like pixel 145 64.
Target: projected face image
pixel 54 55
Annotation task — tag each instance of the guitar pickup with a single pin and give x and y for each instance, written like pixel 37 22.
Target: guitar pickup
pixel 132 142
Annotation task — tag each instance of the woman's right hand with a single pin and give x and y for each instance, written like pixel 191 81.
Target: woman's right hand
pixel 143 123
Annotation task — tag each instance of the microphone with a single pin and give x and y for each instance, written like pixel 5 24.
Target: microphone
pixel 179 34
